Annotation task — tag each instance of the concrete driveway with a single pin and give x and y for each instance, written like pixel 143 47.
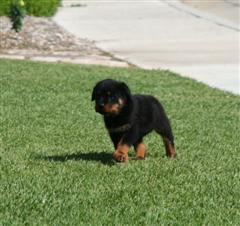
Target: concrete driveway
pixel 161 35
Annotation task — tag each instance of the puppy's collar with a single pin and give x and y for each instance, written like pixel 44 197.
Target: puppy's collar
pixel 119 129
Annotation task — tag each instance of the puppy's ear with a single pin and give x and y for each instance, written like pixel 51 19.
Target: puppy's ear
pixel 94 93
pixel 124 89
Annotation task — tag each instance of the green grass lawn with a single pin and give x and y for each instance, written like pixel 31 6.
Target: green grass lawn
pixel 55 155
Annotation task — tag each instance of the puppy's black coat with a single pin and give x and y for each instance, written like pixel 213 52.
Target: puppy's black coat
pixel 128 118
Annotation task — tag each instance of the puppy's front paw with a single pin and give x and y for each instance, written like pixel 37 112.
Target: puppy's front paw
pixel 120 157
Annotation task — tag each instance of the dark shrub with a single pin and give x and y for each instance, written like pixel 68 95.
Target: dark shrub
pixel 17 14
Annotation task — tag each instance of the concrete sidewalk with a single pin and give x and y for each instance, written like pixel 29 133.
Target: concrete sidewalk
pixel 161 35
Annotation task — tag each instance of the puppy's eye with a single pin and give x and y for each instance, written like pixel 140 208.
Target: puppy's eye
pixel 111 99
pixel 101 101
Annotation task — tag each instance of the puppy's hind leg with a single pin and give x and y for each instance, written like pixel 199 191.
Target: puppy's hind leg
pixel 164 129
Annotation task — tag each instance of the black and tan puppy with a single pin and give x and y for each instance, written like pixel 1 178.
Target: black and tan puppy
pixel 128 118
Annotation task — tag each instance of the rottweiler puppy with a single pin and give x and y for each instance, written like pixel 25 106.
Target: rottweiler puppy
pixel 128 118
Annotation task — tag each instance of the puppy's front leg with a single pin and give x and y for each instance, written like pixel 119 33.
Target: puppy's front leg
pixel 128 139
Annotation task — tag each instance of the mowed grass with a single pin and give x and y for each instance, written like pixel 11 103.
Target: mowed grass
pixel 55 155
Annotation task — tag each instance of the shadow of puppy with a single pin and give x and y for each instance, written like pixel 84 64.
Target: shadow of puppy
pixel 103 157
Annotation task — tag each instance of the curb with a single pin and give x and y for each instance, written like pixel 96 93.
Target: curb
pixel 95 60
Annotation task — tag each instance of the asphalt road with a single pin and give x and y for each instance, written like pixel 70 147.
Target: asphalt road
pixel 195 42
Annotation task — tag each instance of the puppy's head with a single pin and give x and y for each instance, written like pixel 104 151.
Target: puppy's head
pixel 110 97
